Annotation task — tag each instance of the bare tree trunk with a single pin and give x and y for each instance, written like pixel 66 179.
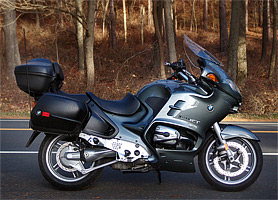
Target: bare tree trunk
pixel 174 17
pixel 37 17
pixel 142 13
pixel 1 49
pixel 60 5
pixel 125 26
pixel 205 15
pixel 193 20
pixel 246 14
pixel 255 16
pixel 158 35
pixel 260 13
pixel 212 14
pixel 184 12
pixel 89 45
pixel 11 44
pixel 80 36
pixel 56 42
pixel 131 11
pixel 37 21
pixel 170 32
pixel 265 31
pixel 233 40
pixel 273 61
pixel 194 16
pixel 150 23
pixel 223 25
pixel 160 18
pixel 112 26
pixel 268 21
pixel 241 54
pixel 104 12
pixel 161 7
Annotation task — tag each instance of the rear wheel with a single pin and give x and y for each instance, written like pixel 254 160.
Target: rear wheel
pixel 56 168
pixel 231 176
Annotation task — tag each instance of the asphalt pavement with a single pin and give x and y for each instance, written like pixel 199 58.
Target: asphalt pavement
pixel 21 177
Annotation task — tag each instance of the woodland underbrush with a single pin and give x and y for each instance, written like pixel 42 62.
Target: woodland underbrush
pixel 130 66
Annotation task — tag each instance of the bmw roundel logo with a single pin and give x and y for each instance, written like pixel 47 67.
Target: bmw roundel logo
pixel 210 107
pixel 39 112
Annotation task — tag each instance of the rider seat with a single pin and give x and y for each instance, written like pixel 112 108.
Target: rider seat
pixel 127 106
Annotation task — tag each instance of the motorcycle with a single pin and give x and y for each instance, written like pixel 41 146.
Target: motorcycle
pixel 161 128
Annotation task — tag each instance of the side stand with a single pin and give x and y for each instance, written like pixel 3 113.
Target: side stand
pixel 159 176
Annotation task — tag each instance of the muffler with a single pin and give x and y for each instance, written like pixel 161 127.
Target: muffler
pixel 94 154
pixel 90 154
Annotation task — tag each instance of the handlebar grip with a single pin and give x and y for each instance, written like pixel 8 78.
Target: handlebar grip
pixel 178 65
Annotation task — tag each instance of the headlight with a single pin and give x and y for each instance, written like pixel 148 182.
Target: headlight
pixel 233 85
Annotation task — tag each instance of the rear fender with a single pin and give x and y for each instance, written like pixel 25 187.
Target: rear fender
pixel 231 131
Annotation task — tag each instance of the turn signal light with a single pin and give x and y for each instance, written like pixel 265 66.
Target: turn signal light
pixel 212 77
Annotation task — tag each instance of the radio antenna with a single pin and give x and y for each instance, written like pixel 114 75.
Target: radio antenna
pixel 27 67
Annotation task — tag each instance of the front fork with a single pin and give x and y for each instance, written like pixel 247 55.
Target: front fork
pixel 223 146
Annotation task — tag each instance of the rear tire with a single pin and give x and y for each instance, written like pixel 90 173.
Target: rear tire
pixel 54 168
pixel 224 175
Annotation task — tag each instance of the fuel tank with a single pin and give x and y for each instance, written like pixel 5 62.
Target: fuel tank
pixel 179 104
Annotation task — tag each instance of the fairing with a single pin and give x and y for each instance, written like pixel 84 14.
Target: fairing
pixel 187 105
pixel 212 65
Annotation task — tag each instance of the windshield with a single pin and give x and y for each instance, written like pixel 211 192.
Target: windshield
pixel 200 51
pixel 212 66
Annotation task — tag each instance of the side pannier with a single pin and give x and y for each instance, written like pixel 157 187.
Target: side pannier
pixel 59 114
pixel 39 75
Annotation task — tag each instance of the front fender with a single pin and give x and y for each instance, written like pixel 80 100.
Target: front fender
pixel 232 131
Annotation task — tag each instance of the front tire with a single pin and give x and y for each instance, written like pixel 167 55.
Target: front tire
pixel 56 168
pixel 231 176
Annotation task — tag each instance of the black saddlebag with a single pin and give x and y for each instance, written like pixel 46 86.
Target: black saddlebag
pixel 59 114
pixel 40 74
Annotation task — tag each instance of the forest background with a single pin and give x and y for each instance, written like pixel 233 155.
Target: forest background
pixel 111 47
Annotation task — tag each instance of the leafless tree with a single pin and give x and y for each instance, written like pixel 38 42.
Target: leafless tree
pixel 169 31
pixel 125 25
pixel 80 36
pixel 233 39
pixel 242 54
pixel 158 34
pixel 265 36
pixel 223 25
pixel 150 22
pixel 11 43
pixel 273 60
pixel 112 26
pixel 205 15
pixel 89 45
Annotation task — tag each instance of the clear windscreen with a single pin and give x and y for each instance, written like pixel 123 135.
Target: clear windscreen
pixel 200 51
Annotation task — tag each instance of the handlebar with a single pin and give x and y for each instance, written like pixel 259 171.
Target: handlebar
pixel 178 65
pixel 180 72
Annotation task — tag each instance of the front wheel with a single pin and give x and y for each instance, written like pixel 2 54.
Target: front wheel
pixel 231 176
pixel 56 168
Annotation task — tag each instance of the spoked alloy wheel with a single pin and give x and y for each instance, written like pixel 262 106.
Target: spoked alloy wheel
pixel 231 176
pixel 56 168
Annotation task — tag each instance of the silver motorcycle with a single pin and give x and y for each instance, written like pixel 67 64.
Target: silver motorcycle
pixel 161 128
